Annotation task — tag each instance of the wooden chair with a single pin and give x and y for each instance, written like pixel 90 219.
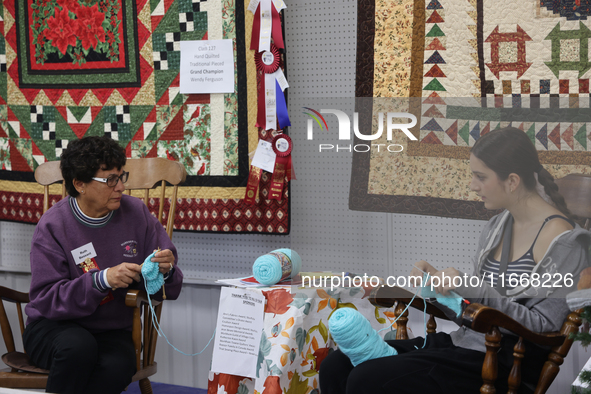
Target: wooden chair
pixel 144 174
pixel 576 189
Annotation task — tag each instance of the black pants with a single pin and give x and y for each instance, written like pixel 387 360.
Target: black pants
pixel 440 367
pixel 79 361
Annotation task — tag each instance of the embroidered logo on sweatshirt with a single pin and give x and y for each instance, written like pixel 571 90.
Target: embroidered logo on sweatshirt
pixel 129 248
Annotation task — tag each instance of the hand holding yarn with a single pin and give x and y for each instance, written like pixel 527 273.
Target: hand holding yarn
pixel 356 338
pixel 153 278
pixel 451 300
pixel 276 266
pixel 419 269
pixel 165 260
pixel 442 281
pixel 122 275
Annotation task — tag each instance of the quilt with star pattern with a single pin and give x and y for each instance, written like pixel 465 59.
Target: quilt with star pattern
pixel 74 68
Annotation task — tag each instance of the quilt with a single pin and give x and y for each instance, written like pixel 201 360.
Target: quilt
pixel 74 68
pixel 464 68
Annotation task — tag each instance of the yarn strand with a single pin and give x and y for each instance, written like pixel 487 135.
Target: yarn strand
pixel 153 281
pixel 405 309
pixel 158 329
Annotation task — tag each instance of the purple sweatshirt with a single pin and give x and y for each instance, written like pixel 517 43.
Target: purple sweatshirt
pixel 60 290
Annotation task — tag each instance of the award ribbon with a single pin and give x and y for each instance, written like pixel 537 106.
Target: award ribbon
pixel 266 24
pixel 282 147
pixel 252 187
pixel 271 101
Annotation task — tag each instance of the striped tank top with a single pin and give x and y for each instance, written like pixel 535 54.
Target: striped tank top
pixel 523 265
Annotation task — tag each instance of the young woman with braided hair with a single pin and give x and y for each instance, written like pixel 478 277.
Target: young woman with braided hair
pixel 533 236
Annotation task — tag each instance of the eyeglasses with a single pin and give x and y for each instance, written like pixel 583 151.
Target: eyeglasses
pixel 113 179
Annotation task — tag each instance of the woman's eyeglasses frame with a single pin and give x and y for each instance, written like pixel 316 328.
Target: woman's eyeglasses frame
pixel 113 179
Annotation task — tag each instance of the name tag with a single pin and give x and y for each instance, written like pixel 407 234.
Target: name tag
pixel 84 252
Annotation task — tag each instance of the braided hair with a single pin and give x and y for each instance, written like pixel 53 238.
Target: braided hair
pixel 509 150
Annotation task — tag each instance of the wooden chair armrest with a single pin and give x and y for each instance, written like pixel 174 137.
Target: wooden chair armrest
pixel 13 295
pixel 481 318
pixel 135 298
pixel 386 296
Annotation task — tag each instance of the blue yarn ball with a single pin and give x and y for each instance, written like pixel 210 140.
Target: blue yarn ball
pixel 356 338
pixel 152 276
pixel 275 266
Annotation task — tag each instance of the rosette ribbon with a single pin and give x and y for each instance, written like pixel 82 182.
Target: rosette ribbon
pixel 272 107
pixel 266 24
pixel 282 146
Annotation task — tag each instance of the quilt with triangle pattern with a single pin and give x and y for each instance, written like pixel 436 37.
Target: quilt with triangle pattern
pixel 74 68
pixel 464 68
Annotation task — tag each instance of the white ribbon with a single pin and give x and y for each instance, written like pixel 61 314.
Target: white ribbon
pixel 270 97
pixel 280 77
pixel 279 5
pixel 266 26
pixel 270 102
pixel 252 7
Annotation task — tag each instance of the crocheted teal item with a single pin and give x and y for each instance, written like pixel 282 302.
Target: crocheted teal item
pixel 152 276
pixel 453 300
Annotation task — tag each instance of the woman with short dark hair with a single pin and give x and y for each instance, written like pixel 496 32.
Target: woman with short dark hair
pixel 534 235
pixel 85 253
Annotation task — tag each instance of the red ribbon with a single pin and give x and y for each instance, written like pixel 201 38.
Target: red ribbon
pixel 266 69
pixel 276 32
pixel 282 147
pixel 252 188
pixel 262 58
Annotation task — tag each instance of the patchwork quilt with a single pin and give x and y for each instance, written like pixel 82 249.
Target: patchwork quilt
pixel 464 68
pixel 74 68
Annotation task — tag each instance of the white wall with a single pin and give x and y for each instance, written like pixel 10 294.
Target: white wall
pixel 320 38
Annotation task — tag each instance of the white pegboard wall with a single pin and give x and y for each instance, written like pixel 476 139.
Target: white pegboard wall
pixel 15 244
pixel 320 40
pixel 205 258
pixel 442 242
pixel 325 232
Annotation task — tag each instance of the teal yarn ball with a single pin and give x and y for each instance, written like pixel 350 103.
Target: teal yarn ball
pixel 152 276
pixel 275 266
pixel 356 338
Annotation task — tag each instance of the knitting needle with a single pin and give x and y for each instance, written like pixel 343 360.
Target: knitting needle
pixel 428 274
